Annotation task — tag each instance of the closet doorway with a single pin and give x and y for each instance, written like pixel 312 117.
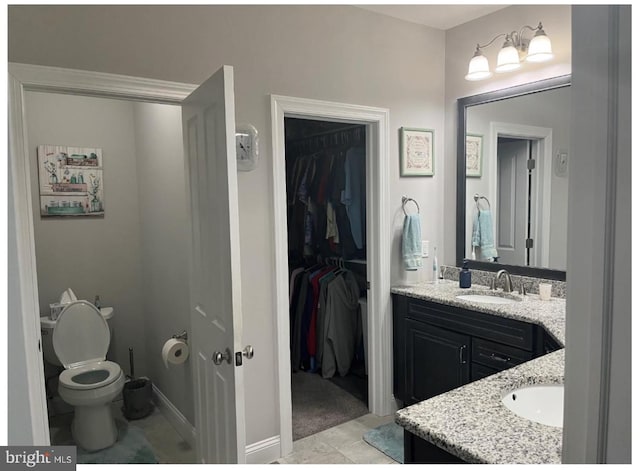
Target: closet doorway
pixel 327 256
pixel 369 128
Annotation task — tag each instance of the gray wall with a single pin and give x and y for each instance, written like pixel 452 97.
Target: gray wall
pixel 337 53
pixel 92 255
pixel 460 46
pixel 598 367
pixel 619 420
pixel 163 237
pixel 549 109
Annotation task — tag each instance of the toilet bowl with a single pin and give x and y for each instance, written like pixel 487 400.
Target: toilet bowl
pixel 89 382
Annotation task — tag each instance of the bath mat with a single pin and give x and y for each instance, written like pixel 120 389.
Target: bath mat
pixel 389 439
pixel 132 447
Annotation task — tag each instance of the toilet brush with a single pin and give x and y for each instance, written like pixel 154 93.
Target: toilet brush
pixel 131 373
pixel 136 394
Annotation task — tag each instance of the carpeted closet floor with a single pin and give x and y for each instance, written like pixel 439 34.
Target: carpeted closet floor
pixel 319 404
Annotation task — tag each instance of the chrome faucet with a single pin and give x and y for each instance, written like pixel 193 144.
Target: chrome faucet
pixel 508 286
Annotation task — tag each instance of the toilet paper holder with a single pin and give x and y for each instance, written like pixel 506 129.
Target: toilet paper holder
pixel 182 336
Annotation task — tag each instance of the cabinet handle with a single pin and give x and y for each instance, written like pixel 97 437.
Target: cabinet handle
pixel 500 358
pixel 461 354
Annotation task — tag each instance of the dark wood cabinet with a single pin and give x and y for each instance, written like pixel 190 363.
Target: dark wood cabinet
pixel 417 450
pixel 439 363
pixel 437 348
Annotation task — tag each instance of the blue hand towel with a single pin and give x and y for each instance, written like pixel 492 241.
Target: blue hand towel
pixel 482 235
pixel 412 242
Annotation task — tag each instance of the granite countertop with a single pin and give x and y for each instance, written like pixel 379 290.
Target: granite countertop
pixel 549 314
pixel 470 421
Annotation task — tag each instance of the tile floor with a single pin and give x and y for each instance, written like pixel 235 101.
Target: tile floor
pixel 168 446
pixel 342 444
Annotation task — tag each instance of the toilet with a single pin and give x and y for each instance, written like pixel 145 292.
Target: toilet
pixel 89 382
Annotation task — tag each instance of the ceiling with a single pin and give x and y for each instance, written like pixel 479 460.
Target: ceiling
pixel 444 16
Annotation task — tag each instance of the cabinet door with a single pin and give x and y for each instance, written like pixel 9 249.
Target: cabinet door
pixel 437 360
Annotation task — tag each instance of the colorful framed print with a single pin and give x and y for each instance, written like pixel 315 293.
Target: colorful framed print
pixel 70 181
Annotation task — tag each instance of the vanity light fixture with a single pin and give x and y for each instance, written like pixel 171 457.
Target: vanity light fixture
pixel 515 48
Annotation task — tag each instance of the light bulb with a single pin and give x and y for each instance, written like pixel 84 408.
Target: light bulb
pixel 539 47
pixel 478 67
pixel 508 58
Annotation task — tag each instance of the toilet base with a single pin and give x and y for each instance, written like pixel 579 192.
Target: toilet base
pixel 94 427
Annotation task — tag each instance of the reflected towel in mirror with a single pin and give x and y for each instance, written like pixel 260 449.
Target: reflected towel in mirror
pixel 482 235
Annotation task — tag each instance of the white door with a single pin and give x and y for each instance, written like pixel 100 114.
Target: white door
pixel 208 123
pixel 513 197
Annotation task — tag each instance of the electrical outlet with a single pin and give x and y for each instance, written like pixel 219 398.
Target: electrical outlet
pixel 425 249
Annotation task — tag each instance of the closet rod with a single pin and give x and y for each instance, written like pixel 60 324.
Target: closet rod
pixel 326 133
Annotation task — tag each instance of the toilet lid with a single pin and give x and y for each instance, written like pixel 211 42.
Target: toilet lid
pixel 81 335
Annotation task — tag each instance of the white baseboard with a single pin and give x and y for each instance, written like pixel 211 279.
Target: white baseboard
pixel 264 452
pixel 175 417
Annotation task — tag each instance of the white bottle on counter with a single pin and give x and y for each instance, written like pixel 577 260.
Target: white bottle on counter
pixel 435 266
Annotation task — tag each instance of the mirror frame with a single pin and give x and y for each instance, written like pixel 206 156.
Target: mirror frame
pixel 461 180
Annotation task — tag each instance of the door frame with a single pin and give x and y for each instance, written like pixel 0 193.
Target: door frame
pixel 376 120
pixel 544 138
pixel 23 78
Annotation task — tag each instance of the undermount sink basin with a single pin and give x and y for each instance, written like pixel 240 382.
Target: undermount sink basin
pixel 489 297
pixel 543 403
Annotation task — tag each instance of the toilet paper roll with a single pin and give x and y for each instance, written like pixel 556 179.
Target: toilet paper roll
pixel 175 351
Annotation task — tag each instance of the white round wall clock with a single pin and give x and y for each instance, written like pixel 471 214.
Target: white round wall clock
pixel 246 147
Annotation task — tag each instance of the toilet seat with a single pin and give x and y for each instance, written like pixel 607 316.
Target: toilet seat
pixel 91 375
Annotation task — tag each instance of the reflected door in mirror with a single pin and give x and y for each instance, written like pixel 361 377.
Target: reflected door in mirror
pixel 514 201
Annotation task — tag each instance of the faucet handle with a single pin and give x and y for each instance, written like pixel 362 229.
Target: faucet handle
pixel 523 289
pixel 492 284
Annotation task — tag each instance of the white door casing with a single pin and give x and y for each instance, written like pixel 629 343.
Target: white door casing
pixel 23 78
pixel 381 401
pixel 208 120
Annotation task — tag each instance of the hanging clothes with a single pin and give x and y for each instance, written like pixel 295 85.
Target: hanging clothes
pixel 325 220
pixel 340 325
pixel 297 312
pixel 352 195
pixel 326 214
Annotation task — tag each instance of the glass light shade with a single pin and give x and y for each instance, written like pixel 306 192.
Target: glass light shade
pixel 539 48
pixel 478 68
pixel 508 59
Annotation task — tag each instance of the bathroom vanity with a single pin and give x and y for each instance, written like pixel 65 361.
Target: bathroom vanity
pixel 455 358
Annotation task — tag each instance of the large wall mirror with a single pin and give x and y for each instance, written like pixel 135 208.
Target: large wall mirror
pixel 513 150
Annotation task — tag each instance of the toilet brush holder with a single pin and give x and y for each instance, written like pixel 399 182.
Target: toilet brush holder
pixel 136 395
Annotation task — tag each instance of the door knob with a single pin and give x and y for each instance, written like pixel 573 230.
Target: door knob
pixel 248 352
pixel 219 357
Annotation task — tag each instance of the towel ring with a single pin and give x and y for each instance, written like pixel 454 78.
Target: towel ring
pixel 405 200
pixel 477 197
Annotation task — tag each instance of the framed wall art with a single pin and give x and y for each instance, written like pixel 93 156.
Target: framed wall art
pixel 416 152
pixel 473 150
pixel 70 181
